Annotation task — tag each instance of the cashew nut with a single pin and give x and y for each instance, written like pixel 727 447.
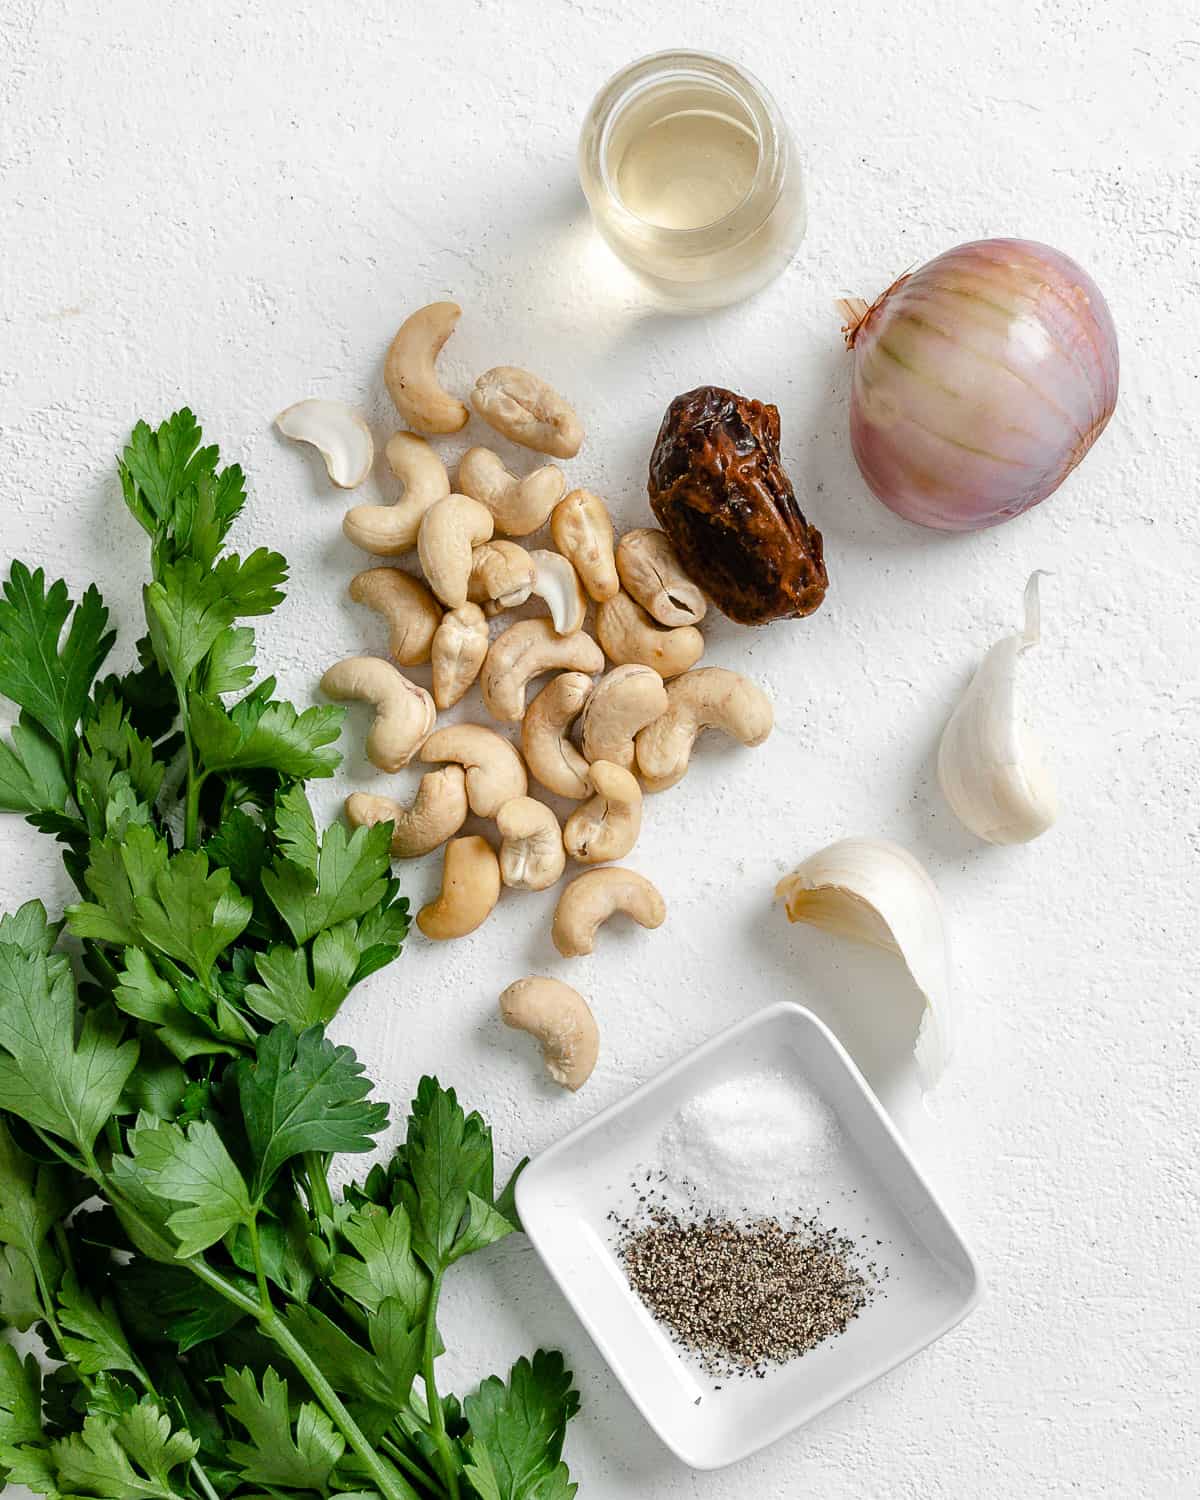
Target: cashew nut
pixel 652 573
pixel 495 772
pixel 404 712
pixel 450 529
pixel 526 410
pixel 711 698
pixel 583 531
pixel 470 889
pixel 412 613
pixel 524 651
pixel 559 1018
pixel 628 634
pixel 409 372
pixel 531 851
pixel 557 583
pixel 459 648
pixel 438 811
pixel 519 506
pixel 502 573
pixel 337 432
pixel 552 757
pixel 623 702
pixel 591 898
pixel 389 530
pixel 608 823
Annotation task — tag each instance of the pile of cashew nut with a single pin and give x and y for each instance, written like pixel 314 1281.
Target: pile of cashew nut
pixel 619 717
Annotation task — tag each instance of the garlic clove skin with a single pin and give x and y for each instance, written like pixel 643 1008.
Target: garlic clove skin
pixel 990 765
pixel 873 891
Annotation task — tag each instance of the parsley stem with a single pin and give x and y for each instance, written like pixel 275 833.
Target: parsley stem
pixel 191 806
pixel 320 1199
pixel 260 1275
pixel 398 1456
pixel 437 1416
pixel 390 1483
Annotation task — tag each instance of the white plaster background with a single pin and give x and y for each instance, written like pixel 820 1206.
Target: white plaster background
pixel 233 205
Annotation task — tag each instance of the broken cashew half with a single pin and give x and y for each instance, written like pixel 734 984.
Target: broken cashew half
pixel 560 1021
pixel 531 849
pixel 557 583
pixel 591 898
pixel 337 432
pixel 470 890
pixel 623 702
pixel 550 755
pixel 438 811
pixel 628 634
pixel 519 506
pixel 608 823
pixel 450 531
pixel 404 712
pixel 406 603
pixel 524 651
pixel 711 698
pixel 653 575
pixel 583 532
pixel 458 650
pixel 526 410
pixel 411 377
pixel 389 530
pixel 495 772
pixel 502 574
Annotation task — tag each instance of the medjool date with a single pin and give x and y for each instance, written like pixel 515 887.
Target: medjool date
pixel 721 494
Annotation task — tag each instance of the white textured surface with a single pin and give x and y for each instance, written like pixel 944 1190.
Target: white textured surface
pixel 234 205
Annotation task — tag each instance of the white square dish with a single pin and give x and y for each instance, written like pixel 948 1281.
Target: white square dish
pixel 566 1195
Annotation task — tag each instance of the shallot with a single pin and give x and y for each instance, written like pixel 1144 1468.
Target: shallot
pixel 980 381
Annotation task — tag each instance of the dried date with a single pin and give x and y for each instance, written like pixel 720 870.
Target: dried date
pixel 721 494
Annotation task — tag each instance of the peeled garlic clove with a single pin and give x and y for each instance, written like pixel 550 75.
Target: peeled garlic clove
pixel 873 891
pixel 338 433
pixel 989 764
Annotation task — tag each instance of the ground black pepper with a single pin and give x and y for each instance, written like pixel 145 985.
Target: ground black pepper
pixel 745 1296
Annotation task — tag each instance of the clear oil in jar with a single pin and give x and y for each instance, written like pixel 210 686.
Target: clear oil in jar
pixel 692 178
pixel 688 168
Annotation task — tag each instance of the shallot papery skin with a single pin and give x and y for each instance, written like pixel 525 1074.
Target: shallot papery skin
pixel 980 381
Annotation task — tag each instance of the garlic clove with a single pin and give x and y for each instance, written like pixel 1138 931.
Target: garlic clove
pixel 873 891
pixel 339 434
pixel 990 765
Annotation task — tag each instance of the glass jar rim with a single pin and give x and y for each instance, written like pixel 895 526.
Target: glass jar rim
pixel 624 87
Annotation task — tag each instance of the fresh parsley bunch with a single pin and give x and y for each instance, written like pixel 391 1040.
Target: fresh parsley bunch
pixel 216 1323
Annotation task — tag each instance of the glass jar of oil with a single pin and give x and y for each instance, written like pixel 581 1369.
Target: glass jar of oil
pixel 692 178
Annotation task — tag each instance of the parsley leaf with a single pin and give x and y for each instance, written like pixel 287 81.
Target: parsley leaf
pixel 50 682
pixel 33 1197
pixel 288 993
pixel 193 915
pixel 517 1430
pixel 185 611
pixel 194 1168
pixel 93 1338
pixel 301 1093
pixel 296 829
pixel 20 1398
pixel 31 771
pixel 352 877
pixel 446 1178
pixel 172 903
pixel 258 734
pixel 274 1455
pixel 47 1077
pixel 99 1459
pixel 384 1267
pixel 229 666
